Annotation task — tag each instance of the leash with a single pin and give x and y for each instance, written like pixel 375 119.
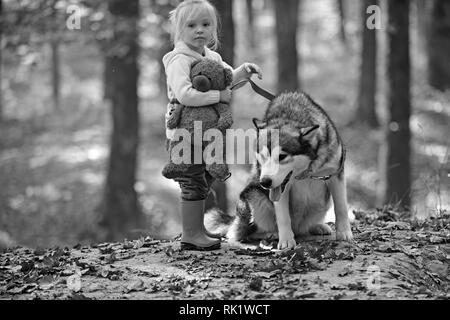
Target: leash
pixel 266 94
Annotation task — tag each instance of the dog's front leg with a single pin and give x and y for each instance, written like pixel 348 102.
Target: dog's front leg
pixel 338 191
pixel 286 238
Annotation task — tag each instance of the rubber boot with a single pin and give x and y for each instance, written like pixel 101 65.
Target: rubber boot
pixel 194 236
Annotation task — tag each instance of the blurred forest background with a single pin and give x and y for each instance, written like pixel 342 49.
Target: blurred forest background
pixel 83 97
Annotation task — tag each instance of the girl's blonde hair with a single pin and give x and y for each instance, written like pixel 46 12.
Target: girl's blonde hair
pixel 188 10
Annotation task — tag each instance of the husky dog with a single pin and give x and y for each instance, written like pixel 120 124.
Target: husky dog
pixel 295 176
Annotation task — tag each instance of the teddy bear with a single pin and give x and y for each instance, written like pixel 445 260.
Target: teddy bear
pixel 206 74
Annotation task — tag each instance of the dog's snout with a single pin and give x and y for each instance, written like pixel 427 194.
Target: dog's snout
pixel 266 182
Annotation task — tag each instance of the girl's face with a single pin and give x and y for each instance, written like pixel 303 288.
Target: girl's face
pixel 198 32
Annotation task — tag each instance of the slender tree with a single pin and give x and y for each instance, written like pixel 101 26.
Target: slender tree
pixel 397 166
pixel 55 58
pixel 422 10
pixel 162 10
pixel 342 22
pixel 1 61
pixel 121 210
pixel 226 49
pixel 250 23
pixel 439 45
pixel 226 32
pixel 286 17
pixel 367 82
pixel 56 78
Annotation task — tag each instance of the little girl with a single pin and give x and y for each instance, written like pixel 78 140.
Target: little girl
pixel 194 34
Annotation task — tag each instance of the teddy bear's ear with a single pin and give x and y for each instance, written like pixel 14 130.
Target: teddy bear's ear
pixel 228 76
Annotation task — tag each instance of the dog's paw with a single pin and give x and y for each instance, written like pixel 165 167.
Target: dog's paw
pixel 320 229
pixel 343 231
pixel 345 235
pixel 286 243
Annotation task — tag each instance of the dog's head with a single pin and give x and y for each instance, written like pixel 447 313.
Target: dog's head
pixel 284 150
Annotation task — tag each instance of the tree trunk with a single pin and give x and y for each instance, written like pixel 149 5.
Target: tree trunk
pixel 55 60
pixel 226 50
pixel 56 79
pixel 121 211
pixel 342 21
pixel 423 16
pixel 366 113
pixel 398 151
pixel 251 24
pixel 1 61
pixel 108 74
pixel 226 32
pixel 286 16
pixel 439 45
pixel 162 9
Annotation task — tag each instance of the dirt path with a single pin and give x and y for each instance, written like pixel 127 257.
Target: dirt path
pixel 392 258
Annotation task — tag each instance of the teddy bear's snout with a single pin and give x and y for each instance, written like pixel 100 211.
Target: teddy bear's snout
pixel 201 83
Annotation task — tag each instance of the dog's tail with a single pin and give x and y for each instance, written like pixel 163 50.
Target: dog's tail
pixel 217 221
pixel 237 227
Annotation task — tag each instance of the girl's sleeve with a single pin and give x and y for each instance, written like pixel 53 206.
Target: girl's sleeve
pixel 238 73
pixel 179 81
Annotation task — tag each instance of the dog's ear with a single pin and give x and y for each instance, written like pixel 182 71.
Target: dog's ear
pixel 259 124
pixel 308 130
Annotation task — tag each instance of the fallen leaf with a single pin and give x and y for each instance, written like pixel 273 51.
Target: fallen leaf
pixel 304 295
pixel 74 283
pixel 139 243
pixel 47 282
pixel 150 242
pixel 16 290
pixel 112 258
pixel 27 266
pixel 78 296
pixel 256 284
pixel 136 285
pixel 265 275
pixel 190 289
pixel 437 239
pixel 337 287
pixel 438 267
pixel 391 294
pixel 67 272
pixel 388 248
pixel 128 245
pixel 94 287
pixel 398 225
pixel 169 251
pixel 39 252
pixel 338 296
pixel 345 271
pixel 316 265
pixel 357 286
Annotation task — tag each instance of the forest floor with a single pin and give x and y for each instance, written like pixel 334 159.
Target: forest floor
pixel 53 165
pixel 392 257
